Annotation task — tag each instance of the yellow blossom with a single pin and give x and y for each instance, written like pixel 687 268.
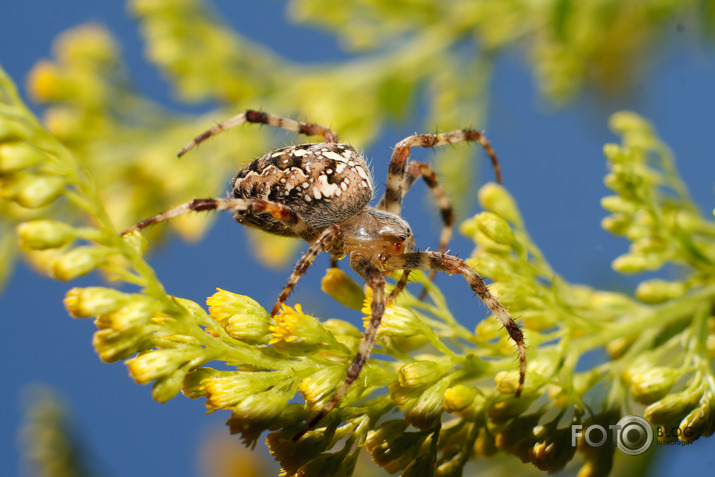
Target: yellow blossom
pixel 397 320
pixel 44 81
pixel 292 326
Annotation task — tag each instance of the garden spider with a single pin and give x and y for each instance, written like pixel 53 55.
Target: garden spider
pixel 320 192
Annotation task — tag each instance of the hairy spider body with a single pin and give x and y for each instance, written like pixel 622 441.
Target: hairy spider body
pixel 324 183
pixel 320 192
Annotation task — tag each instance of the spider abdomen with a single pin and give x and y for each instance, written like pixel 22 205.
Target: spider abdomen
pixel 324 183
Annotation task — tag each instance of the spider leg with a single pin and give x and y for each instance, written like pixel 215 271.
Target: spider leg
pixel 279 211
pixel 259 117
pixel 376 281
pixel 450 264
pixel 398 287
pixel 392 202
pixel 327 241
pixel 415 170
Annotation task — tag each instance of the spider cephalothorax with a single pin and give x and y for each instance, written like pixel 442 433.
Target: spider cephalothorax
pixel 320 192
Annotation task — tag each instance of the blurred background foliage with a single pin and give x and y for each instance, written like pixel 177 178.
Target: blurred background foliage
pixel 404 59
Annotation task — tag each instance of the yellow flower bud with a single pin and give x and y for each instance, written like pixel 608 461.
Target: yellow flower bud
pixel 618 346
pixel 137 312
pixel 457 398
pixel 652 384
pixel 264 406
pixel 167 387
pixel 85 45
pixel 672 407
pixel 16 156
pixel 507 382
pixel 427 409
pixel 342 288
pixel 45 83
pixel 658 291
pixel 250 429
pixel 397 320
pixel 495 228
pixel 619 205
pixel 636 263
pixel 537 319
pixel 495 198
pixel 136 241
pixel 77 262
pixel 487 330
pixel 242 317
pixel 318 388
pixel 112 345
pixel 44 234
pixel 156 363
pixel 700 422
pixel 31 191
pixel 226 389
pixel 92 301
pixel 496 267
pixel 420 373
pixel 65 123
pixel 624 122
pixel 294 328
pixel 617 224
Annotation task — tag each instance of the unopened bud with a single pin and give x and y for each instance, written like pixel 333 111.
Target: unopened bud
pixel 427 409
pixel 319 387
pixel 93 301
pixel 627 121
pixel 419 373
pixel 136 241
pixel 293 328
pixel 495 198
pixel 156 364
pixel 44 234
pixel 32 192
pixel 15 156
pixel 77 262
pixel 458 397
pixel 495 228
pixel 700 422
pixel 617 224
pixel 45 82
pixel 135 313
pixel 636 263
pixel 617 204
pixel 659 291
pixel 112 345
pixel 342 288
pixel 614 152
pixel 672 407
pixel 650 385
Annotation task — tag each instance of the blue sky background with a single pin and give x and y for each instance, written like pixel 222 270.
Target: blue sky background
pixel 552 164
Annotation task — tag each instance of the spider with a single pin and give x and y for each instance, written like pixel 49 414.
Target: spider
pixel 320 192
